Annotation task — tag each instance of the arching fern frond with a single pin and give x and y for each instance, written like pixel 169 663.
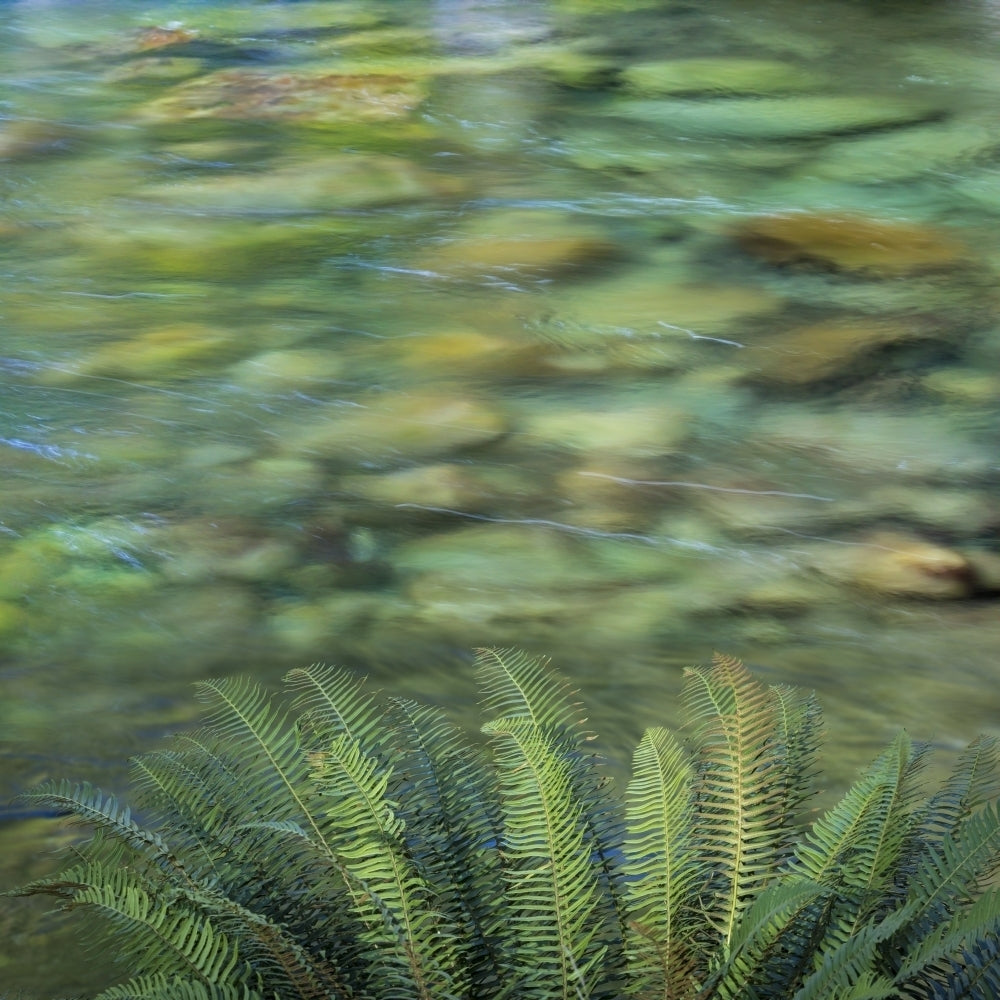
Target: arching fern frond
pixel 551 880
pixel 175 988
pixel 410 940
pixel 662 868
pixel 330 701
pixel 446 796
pixel 743 786
pixel 174 937
pixel 765 953
pixel 518 687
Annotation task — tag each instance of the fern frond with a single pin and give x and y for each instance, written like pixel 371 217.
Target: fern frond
pixel 974 975
pixel 263 745
pixel 447 800
pixel 175 988
pixel 798 722
pixel 552 883
pixel 330 701
pixel 852 966
pixel 411 941
pixel 854 841
pixel 974 780
pixel 948 876
pixel 86 804
pixel 943 948
pixel 760 958
pixel 741 799
pixel 518 687
pixel 661 868
pixel 156 921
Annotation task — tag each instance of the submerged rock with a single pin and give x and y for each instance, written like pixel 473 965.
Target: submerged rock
pixel 323 98
pixel 513 245
pixel 342 181
pixel 632 431
pixel 285 370
pixel 850 243
pixel 718 75
pixel 833 349
pixel 170 352
pixel 898 565
pixel 903 153
pixel 400 427
pixel 799 117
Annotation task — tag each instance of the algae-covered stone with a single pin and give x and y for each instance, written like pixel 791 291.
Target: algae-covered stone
pixel 820 351
pixel 435 485
pixel 532 244
pixel 851 243
pixel 316 97
pixel 971 386
pixel 463 351
pixel 648 303
pixel 634 431
pixel 400 427
pixel 904 153
pixel 718 75
pixel 156 69
pixel 170 352
pixel 526 557
pixel 870 441
pixel 213 249
pixel 774 118
pixel 303 627
pixel 345 181
pixel 895 564
pixel 284 370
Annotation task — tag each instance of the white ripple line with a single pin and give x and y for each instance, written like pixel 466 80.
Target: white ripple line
pixel 561 525
pixel 706 486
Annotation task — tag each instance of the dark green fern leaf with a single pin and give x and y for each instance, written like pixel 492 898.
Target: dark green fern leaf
pixel 447 800
pixel 411 941
pixel 759 960
pixel 175 988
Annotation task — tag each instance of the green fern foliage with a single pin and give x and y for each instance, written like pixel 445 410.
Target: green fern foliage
pixel 338 845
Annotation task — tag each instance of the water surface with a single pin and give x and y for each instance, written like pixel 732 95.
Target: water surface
pixel 371 333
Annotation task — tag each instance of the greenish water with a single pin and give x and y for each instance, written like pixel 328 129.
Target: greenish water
pixel 370 333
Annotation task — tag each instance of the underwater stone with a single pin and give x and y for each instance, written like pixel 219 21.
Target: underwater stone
pixel 820 351
pixel 774 118
pixel 282 370
pixel 718 75
pixel 319 98
pixel 898 565
pixel 344 181
pixel 169 352
pixel 850 243
pixel 401 427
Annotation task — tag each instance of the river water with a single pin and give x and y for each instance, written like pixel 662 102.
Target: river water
pixel 370 333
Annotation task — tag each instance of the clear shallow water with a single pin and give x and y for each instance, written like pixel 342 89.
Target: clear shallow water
pixel 370 333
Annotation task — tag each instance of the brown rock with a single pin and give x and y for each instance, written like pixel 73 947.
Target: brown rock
pixel 900 565
pixel 147 39
pixel 849 243
pixel 825 350
pixel 322 98
pixel 529 256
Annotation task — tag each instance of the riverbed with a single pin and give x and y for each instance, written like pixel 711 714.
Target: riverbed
pixel 370 333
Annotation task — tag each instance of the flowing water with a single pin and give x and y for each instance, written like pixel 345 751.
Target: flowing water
pixel 373 332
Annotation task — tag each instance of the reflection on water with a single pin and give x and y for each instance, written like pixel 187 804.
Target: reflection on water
pixel 373 332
